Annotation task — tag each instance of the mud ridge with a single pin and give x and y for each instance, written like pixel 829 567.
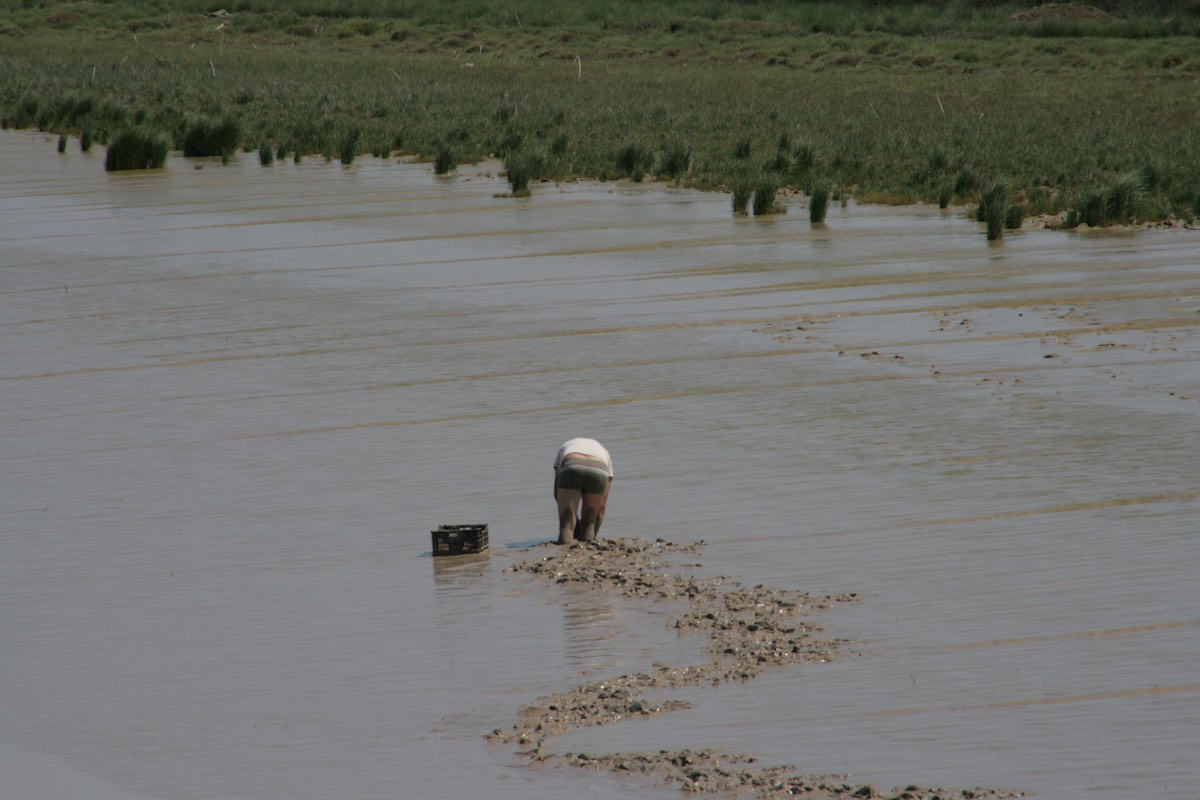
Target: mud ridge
pixel 749 630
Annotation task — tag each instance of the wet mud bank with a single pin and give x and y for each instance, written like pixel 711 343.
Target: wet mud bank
pixel 749 630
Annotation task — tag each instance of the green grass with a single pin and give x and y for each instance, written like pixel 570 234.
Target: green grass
pixel 523 167
pixel 348 149
pixel 994 210
pixel 765 192
pixel 634 161
pixel 818 203
pixel 446 160
pixel 210 137
pixel 137 148
pixel 674 160
pixel 743 191
pixel 1120 201
pixel 890 102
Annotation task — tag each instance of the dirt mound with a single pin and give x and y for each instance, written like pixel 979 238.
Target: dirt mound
pixel 1059 11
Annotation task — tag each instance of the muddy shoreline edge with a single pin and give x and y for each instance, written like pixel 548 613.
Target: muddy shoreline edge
pixel 749 629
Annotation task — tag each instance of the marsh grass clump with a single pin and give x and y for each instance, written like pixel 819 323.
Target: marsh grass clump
pixel 993 210
pixel 62 143
pixel 310 137
pixel 1124 196
pixel 1014 216
pixel 743 191
pixel 936 179
pixel 764 196
pixel 945 195
pixel 674 160
pixel 26 113
pixel 1114 204
pixel 206 137
pixel 266 153
pixel 446 160
pixel 818 203
pixel 137 148
pixel 85 140
pixel 634 161
pixel 348 147
pixel 523 167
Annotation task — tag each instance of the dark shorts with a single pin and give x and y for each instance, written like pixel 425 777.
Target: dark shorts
pixel 585 474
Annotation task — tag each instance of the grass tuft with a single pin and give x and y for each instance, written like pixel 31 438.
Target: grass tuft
pixel 634 160
pixel 137 148
pixel 993 210
pixel 1015 216
pixel 446 160
pixel 674 160
pixel 743 190
pixel 348 149
pixel 523 167
pixel 1115 204
pixel 266 153
pixel 819 201
pixel 207 137
pixel 764 195
pixel 945 195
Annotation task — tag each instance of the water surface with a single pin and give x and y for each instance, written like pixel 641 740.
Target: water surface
pixel 236 399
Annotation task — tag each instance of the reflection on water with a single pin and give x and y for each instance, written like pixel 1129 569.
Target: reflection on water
pixel 236 400
pixel 590 631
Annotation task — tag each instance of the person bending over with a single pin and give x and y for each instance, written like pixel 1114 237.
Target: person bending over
pixel 583 474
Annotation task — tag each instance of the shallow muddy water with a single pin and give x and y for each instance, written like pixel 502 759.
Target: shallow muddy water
pixel 236 400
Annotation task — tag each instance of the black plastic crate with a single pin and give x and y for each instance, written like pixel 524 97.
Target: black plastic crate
pixel 455 540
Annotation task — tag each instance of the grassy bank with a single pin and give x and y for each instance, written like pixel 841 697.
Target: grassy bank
pixel 889 102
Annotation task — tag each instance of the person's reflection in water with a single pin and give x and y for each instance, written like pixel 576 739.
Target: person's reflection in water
pixel 591 630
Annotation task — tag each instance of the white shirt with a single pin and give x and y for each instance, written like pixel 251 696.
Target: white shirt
pixel 588 447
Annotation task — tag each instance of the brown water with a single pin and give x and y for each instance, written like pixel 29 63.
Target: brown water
pixel 236 400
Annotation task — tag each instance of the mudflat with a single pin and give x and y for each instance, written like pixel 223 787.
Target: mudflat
pixel 749 630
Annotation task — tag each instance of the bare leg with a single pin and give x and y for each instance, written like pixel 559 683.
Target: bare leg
pixel 566 526
pixel 591 515
pixel 587 523
pixel 594 506
pixel 568 501
pixel 603 508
